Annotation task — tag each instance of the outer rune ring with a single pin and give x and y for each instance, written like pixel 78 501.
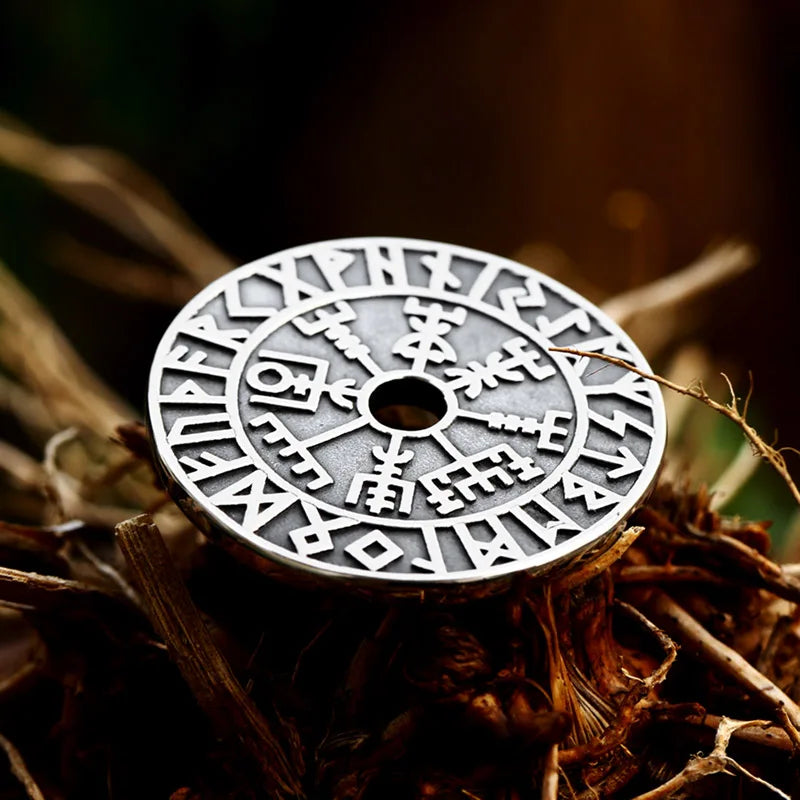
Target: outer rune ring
pixel 391 411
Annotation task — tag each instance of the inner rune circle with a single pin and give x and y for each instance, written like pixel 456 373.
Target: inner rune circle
pixel 448 412
pixel 393 410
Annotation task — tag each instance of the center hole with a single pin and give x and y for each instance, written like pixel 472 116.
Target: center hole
pixel 407 404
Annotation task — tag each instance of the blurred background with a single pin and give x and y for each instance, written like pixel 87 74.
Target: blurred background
pixel 607 144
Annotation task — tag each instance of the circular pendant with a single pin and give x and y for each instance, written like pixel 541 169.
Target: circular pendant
pixel 390 412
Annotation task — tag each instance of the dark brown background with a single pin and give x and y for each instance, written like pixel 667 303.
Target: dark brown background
pixel 492 124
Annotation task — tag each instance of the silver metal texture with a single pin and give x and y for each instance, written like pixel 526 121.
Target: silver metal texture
pixel 389 413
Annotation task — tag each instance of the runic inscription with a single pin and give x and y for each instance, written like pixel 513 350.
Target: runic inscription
pixel 394 408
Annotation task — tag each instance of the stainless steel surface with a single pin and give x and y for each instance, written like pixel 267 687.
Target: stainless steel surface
pixel 282 408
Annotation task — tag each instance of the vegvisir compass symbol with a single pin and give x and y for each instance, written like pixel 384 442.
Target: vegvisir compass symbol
pixel 393 408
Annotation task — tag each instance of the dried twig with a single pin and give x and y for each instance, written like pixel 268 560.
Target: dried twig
pixel 584 572
pixel 717 761
pixel 107 571
pixel 10 684
pixel 208 675
pixel 712 269
pixel 48 593
pixel 667 573
pixel 766 572
pixel 697 640
pixel 766 451
pixel 123 275
pixel 560 687
pixel 70 494
pixel 790 729
pixel 550 775
pixel 632 705
pixel 34 349
pixel 20 770
pixel 91 179
pixel 734 478
pixel 26 471
pixel 553 261
pixel 27 408
pixel 772 737
pixel 688 364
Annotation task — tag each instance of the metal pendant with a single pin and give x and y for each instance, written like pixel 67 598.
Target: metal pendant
pixel 389 413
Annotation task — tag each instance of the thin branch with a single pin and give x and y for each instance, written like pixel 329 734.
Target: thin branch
pixel 561 690
pixel 735 476
pixel 27 408
pixel 630 706
pixel 668 573
pixel 550 777
pixel 760 447
pixel 20 771
pixel 140 218
pixel 108 571
pixel 749 395
pixel 715 762
pixel 34 349
pixel 205 670
pixel 741 551
pixel 790 729
pixel 46 592
pixel 123 275
pixel 772 737
pixel 26 471
pixel 584 572
pixel 722 264
pixel 9 685
pixel 688 631
pixel 689 362
pixel 765 571
pixel 66 492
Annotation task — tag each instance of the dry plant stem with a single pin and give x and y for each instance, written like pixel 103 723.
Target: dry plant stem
pixel 716 761
pixel 735 547
pixel 27 408
pixel 582 573
pixel 175 618
pixel 26 471
pixel 631 706
pixel 667 573
pixel 690 363
pixel 550 778
pixel 35 350
pixel 122 275
pixel 107 571
pixel 613 783
pixel 553 261
pixel 11 683
pixel 748 558
pixel 20 771
pixel 780 630
pixel 717 267
pixel 734 478
pixel 66 173
pixel 790 730
pixel 696 639
pixel 559 687
pixel 46 593
pixel 773 737
pixel 760 447
pixel 67 494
